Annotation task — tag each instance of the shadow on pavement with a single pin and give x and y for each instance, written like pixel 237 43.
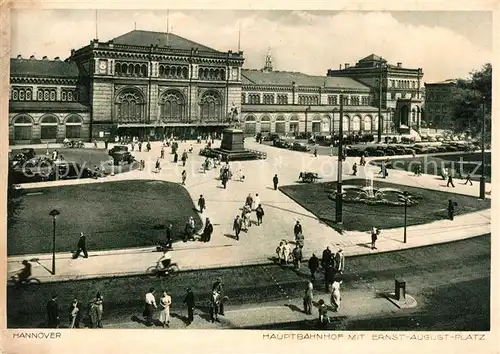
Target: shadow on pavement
pixel 294 308
pixel 230 236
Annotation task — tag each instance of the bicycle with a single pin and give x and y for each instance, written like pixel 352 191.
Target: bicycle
pixel 30 283
pixel 158 271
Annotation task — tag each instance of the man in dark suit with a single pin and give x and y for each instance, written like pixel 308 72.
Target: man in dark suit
pixel 207 231
pixel 53 312
pixel 275 182
pixel 190 303
pixel 81 247
pixel 297 229
pixel 201 203
pixel 313 264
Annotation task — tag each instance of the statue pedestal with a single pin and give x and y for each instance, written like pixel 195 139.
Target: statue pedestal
pixel 232 140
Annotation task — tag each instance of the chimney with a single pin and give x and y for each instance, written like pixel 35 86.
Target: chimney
pixel 399 64
pixel 57 58
pixel 32 57
pixel 346 65
pixel 44 57
pixel 19 56
pixel 340 66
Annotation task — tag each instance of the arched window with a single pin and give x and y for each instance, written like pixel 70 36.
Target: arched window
pixel 250 125
pixel 210 106
pixel 294 124
pixel 23 128
pixel 172 106
pixel 345 124
pixel 73 127
pixel 316 124
pixel 48 126
pixel 265 124
pixel 280 127
pixel 367 123
pixel 356 123
pixel 129 105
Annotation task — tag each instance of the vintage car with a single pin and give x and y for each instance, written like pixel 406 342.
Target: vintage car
pixel 122 156
pixel 117 148
pixel 308 177
pixel 300 147
pixel 69 170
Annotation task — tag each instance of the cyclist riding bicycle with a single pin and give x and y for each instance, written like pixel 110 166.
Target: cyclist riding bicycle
pixel 25 273
pixel 164 262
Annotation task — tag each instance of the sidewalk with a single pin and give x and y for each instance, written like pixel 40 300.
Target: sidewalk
pixel 259 244
pixel 355 304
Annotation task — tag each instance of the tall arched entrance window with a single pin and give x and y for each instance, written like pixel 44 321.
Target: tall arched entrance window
pixel 265 124
pixel 48 127
pixel 172 106
pixel 294 124
pixel 326 124
pixel 23 128
pixel 367 123
pixel 73 127
pixel 210 106
pixel 280 125
pixel 250 125
pixel 129 106
pixel 345 124
pixel 356 124
pixel 316 124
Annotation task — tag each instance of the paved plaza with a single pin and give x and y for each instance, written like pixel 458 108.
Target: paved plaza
pixel 258 245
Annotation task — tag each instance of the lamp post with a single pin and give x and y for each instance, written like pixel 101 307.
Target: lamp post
pixel 338 199
pixel 405 193
pixel 482 180
pixel 379 132
pixel 307 110
pixel 54 214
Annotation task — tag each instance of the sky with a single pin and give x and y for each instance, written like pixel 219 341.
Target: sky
pixel 446 44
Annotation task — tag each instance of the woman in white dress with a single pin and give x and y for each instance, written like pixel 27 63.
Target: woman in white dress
pixel 165 302
pixel 335 296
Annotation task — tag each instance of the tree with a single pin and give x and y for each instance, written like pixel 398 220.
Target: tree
pixel 467 101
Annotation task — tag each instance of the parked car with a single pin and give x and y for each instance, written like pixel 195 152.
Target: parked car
pixel 300 147
pixel 28 153
pixel 117 148
pixel 122 156
pixel 390 152
pixel 271 137
pixel 69 170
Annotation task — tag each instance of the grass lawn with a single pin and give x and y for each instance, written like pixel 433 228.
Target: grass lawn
pixel 111 214
pixel 362 217
pixel 464 162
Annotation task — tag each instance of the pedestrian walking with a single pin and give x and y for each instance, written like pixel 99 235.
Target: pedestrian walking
pixel 339 261
pixel 149 305
pixel 326 257
pixel 74 314
pixel 375 232
pixel 323 312
pixel 183 177
pixel 219 287
pixel 215 301
pixel 249 200
pixel 451 209
pixel 308 298
pixel 297 257
pixel 207 231
pixel 184 158
pixel 81 247
pixel 189 300
pixel 148 146
pixel 259 211
pixel 335 295
pixel 287 252
pixel 280 253
pixel 168 232
pixel 450 180
pixel 162 152
pixel 53 312
pixel 157 166
pixel 468 179
pixel 354 169
pixel 201 203
pixel 313 265
pixel 237 227
pixel 329 276
pixel 176 157
pixel 315 151
pixel 224 178
pixel 165 302
pixel 362 160
pixel 275 182
pixel 299 239
pixel 297 229
pixel 139 146
pixel 256 201
pixel 96 310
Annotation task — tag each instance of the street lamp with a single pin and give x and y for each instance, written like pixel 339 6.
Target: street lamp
pixel 54 214
pixel 338 199
pixel 482 180
pixel 307 110
pixel 405 194
pixel 379 132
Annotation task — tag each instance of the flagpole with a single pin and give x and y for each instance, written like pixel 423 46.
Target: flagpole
pixel 96 32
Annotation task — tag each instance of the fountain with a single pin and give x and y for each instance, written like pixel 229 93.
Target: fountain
pixel 369 188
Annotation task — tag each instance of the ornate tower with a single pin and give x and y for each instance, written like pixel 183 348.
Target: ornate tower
pixel 269 62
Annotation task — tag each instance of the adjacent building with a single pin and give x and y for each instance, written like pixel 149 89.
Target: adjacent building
pixel 438 103
pixel 151 84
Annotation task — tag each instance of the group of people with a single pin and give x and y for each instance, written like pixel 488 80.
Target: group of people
pixel 76 312
pixel 243 222
pixel 217 300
